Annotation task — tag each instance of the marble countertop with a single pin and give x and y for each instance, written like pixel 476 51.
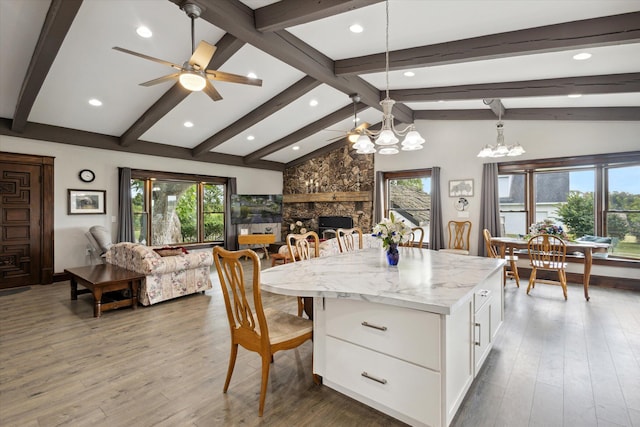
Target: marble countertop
pixel 424 279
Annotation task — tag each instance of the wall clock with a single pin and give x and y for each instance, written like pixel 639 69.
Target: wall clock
pixel 461 204
pixel 87 175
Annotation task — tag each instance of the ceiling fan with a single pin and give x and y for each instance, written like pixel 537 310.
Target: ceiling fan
pixel 193 75
pixel 356 131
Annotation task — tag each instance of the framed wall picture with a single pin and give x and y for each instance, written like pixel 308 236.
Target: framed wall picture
pixel 83 202
pixel 460 187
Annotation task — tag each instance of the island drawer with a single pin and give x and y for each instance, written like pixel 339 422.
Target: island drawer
pixel 409 389
pixel 407 334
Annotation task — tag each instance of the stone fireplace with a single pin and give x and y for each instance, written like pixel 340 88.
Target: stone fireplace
pixel 336 184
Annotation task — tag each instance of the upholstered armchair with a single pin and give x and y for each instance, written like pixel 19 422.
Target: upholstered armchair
pixel 166 277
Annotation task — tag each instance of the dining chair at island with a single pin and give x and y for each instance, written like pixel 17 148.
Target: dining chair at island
pixel 263 330
pixel 416 238
pixel 303 247
pixel 547 252
pixel 347 239
pixel 459 232
pixel 510 271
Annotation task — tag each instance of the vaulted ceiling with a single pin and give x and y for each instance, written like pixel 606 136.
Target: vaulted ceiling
pixel 57 55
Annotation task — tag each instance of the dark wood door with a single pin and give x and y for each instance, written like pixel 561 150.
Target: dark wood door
pixel 22 249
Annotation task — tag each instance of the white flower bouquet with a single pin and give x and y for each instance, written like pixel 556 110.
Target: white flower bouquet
pixel 391 231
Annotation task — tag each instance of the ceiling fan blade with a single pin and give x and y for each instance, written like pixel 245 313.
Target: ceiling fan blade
pixel 150 58
pixel 361 126
pixel 212 92
pixel 162 79
pixel 232 78
pixel 202 55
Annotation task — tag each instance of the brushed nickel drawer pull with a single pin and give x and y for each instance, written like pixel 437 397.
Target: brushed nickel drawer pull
pixel 479 334
pixel 369 325
pixel 378 380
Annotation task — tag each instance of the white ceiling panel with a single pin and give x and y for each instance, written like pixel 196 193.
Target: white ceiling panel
pixel 418 22
pixel 595 100
pixel 286 121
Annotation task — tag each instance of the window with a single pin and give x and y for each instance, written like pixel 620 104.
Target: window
pixel 177 208
pixel 622 209
pixel 596 196
pixel 408 196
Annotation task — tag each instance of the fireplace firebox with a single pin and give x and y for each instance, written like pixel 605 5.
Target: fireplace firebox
pixel 332 223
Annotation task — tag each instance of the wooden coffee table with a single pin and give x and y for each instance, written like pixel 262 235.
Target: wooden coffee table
pixel 102 278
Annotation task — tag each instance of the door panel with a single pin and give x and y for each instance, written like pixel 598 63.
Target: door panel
pixel 20 224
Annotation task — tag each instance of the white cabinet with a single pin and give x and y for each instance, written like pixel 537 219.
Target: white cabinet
pixel 414 365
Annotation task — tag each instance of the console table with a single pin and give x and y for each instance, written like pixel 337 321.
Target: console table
pixel 257 239
pixel 406 340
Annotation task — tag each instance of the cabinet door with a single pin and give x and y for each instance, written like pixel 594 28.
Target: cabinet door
pixel 482 335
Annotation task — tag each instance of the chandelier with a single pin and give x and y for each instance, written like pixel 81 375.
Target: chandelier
pixel 500 149
pixel 387 137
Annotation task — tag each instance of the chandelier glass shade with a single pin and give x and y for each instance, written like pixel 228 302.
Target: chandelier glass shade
pixel 387 137
pixel 500 149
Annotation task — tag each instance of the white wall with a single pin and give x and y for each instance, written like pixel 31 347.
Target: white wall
pixel 70 242
pixel 454 145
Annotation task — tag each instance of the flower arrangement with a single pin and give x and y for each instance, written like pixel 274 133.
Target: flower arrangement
pixel 391 231
pixel 547 227
pixel 297 228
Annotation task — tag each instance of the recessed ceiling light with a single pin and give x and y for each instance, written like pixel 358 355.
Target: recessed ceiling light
pixel 188 124
pixel 409 74
pixel 144 32
pixel 582 56
pixel 356 120
pixel 313 102
pixel 295 148
pixel 440 100
pixel 574 95
pixel 95 102
pixel 250 138
pixel 356 28
pixel 252 76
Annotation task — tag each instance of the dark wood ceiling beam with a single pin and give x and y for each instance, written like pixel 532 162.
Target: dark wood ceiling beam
pixel 227 46
pixel 59 18
pixel 604 31
pixel 62 135
pixel 496 106
pixel 611 83
pixel 276 103
pixel 236 18
pixel 287 13
pixel 305 132
pixel 583 113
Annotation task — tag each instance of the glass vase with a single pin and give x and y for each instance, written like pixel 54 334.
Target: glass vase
pixel 393 256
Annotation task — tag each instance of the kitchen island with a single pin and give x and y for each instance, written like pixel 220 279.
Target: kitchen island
pixel 406 340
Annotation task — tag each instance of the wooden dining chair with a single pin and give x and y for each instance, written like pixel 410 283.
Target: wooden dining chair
pixel 263 330
pixel 303 247
pixel 416 237
pixel 509 271
pixel 459 232
pixel 347 239
pixel 547 252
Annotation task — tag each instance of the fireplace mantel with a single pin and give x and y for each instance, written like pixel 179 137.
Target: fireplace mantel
pixel 338 196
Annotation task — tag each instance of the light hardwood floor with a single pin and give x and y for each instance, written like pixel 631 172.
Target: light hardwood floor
pixel 555 363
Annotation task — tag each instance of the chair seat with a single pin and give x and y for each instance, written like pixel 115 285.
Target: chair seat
pixel 455 251
pixel 549 265
pixel 284 326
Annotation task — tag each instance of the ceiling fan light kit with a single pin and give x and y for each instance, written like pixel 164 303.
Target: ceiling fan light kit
pixel 387 136
pixel 192 80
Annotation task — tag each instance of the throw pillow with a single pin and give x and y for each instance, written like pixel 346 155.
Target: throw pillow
pixel 171 251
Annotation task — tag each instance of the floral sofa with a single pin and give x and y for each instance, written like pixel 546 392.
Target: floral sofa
pixel 167 277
